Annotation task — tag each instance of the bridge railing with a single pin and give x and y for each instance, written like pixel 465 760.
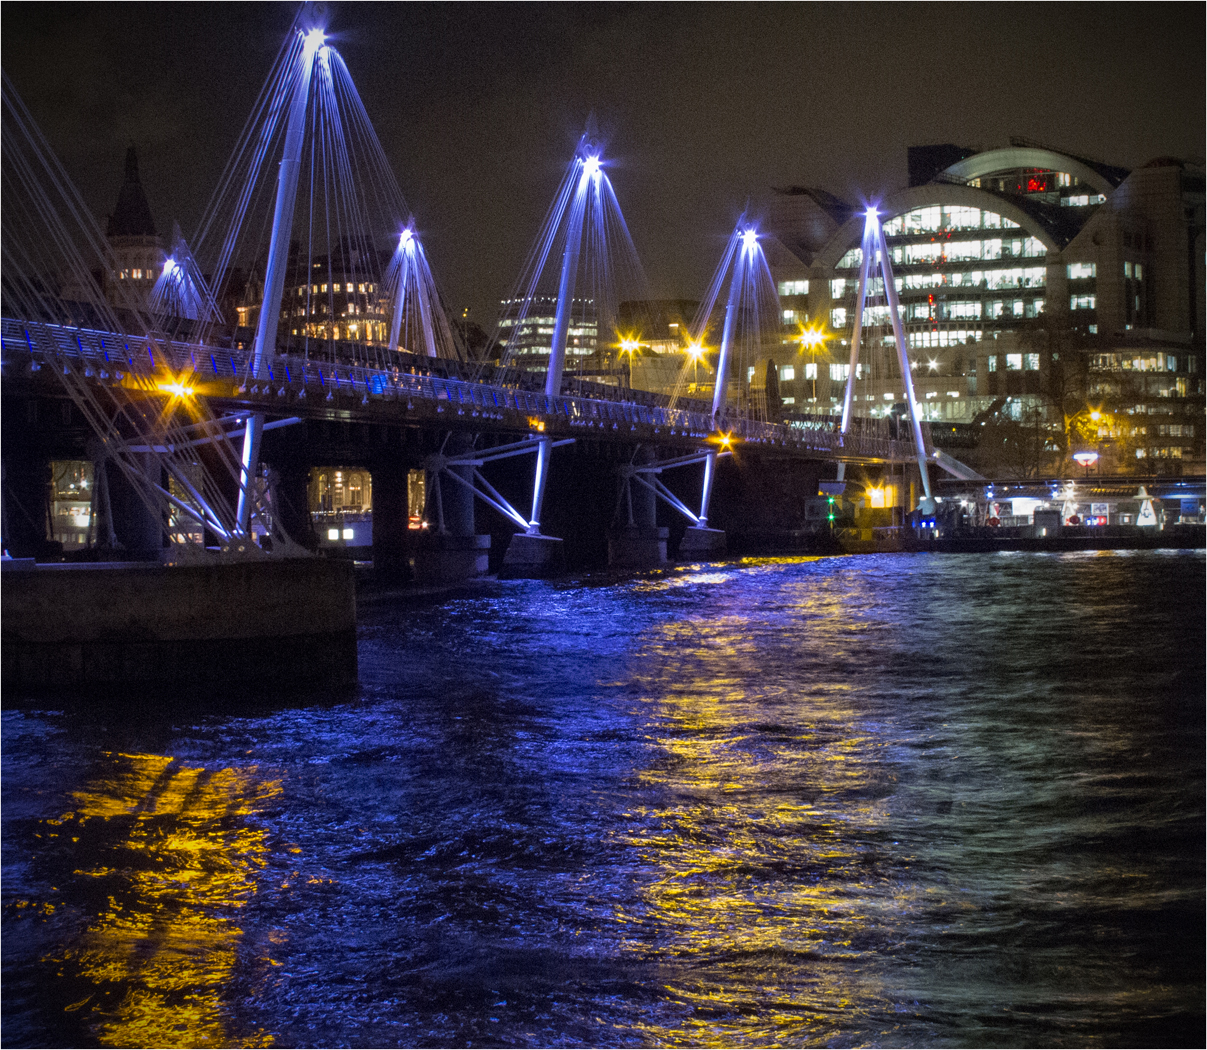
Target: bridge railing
pixel 146 356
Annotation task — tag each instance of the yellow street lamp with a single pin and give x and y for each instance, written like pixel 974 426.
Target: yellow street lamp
pixel 813 339
pixel 628 344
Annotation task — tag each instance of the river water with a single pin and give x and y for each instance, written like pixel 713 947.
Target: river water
pixel 891 800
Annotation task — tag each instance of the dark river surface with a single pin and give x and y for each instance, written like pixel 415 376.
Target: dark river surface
pixel 922 800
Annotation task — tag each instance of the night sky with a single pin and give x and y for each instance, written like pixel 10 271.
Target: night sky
pixel 702 106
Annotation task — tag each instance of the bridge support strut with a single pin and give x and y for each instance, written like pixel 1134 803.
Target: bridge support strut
pixel 876 256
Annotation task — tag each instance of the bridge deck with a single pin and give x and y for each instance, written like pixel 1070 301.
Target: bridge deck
pixel 299 386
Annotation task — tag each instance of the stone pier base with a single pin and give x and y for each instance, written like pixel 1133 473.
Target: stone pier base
pixel 637 547
pixel 701 543
pixel 533 558
pixel 450 559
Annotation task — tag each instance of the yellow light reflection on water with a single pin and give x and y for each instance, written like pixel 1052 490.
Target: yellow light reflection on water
pixel 180 859
pixel 756 858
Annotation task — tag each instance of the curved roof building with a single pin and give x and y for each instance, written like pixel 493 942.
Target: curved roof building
pixel 1004 259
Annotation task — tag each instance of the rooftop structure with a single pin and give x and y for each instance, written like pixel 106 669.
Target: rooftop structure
pixel 136 249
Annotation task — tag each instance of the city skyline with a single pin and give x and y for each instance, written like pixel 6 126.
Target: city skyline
pixel 478 114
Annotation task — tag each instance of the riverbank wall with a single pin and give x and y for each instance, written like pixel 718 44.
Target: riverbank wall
pixel 114 627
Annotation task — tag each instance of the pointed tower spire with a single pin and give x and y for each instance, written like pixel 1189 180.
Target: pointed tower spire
pixel 132 215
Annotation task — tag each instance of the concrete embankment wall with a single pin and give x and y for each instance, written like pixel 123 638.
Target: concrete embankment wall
pixel 112 626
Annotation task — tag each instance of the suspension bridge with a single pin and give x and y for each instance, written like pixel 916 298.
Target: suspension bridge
pixel 177 401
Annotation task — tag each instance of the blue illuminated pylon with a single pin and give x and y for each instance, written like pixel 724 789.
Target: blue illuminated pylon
pixel 416 301
pixel 749 285
pixel 875 254
pixel 310 48
pixel 581 190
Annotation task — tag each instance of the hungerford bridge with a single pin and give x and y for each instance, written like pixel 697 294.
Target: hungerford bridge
pixel 179 427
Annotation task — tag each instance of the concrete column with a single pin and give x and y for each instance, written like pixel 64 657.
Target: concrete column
pixel 141 530
pixel 291 501
pixel 457 553
pixel 458 500
pixel 25 503
pixel 391 546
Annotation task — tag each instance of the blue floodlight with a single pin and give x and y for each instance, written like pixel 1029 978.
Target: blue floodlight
pixel 313 40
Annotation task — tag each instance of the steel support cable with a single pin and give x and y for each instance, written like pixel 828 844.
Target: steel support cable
pixel 241 176
pixel 104 421
pixel 526 285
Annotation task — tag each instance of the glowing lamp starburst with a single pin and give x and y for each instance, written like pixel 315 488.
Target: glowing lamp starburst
pixel 812 338
pixel 313 40
pixel 750 240
pixel 591 166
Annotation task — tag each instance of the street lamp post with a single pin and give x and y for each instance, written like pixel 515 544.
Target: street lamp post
pixel 811 340
pixel 1087 459
pixel 628 347
pixel 695 351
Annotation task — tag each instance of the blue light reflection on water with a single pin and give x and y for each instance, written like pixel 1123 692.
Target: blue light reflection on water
pixel 882 800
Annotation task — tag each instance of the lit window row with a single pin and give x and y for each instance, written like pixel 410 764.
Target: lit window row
pixel 1014 362
pixel 1082 200
pixel 1133 270
pixel 339 286
pixel 946 217
pixel 1083 302
pixel 936 252
pixel 957 251
pixel 974 309
pixel 928 340
pixel 1159 453
pixel 794 287
pixel 1152 363
pixel 1017 277
pixel 1080 271
pixel 136 274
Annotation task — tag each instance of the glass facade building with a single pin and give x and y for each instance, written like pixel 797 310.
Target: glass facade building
pixel 527 334
pixel 1027 278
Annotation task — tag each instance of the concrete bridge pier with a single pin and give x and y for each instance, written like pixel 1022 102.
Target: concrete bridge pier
pixel 635 541
pixel 391 542
pixel 531 556
pixel 700 542
pixel 452 551
pixel 140 530
pixel 290 479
